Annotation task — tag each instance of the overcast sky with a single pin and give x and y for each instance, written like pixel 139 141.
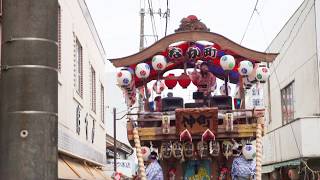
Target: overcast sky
pixel 118 25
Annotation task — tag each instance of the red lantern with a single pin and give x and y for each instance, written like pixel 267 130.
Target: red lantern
pixel 170 83
pixel 184 80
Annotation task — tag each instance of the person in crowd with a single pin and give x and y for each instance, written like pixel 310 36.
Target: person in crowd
pixel 158 104
pixel 154 170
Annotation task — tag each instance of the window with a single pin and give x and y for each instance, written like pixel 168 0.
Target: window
pixel 78 68
pixel 102 103
pixel 287 103
pixel 93 90
pixel 59 38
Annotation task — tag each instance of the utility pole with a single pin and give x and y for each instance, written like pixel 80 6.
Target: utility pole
pixel 141 47
pixel 29 91
pixel 114 140
pixel 142 14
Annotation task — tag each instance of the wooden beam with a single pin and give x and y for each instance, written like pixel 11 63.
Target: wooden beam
pixel 163 44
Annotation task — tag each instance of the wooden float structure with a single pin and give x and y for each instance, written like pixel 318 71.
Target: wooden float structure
pixel 162 130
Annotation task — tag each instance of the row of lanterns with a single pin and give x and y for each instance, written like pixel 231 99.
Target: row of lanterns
pixel 186 149
pixel 159 63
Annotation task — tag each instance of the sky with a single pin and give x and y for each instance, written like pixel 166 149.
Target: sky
pixel 118 25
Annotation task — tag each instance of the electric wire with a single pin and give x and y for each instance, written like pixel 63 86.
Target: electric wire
pixel 154 31
pixel 154 24
pixel 289 36
pixel 245 32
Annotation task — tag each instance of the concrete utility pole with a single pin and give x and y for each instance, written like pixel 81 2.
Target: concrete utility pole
pixel 142 13
pixel 29 91
pixel 141 47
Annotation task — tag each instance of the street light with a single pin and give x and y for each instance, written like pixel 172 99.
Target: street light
pixel 115 135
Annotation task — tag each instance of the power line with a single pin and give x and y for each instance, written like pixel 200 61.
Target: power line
pixel 287 39
pixel 154 24
pixel 285 52
pixel 154 30
pixel 254 10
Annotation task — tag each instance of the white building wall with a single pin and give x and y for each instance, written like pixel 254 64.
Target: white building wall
pixel 298 62
pixel 76 22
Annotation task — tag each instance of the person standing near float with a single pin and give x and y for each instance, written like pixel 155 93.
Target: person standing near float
pixel 243 167
pixel 204 80
pixel 154 170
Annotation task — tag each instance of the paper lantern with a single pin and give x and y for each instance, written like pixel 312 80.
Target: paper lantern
pixel 210 52
pixel 145 151
pixel 293 174
pixel 166 150
pixel 249 152
pixel 142 70
pixel 262 74
pixel 193 52
pixel 203 149
pixel 158 87
pixel 175 53
pixel 214 148
pixel 227 148
pixel 170 83
pixel 245 68
pixel 227 62
pixel 177 150
pixel 223 89
pixel 184 80
pixel 188 149
pixel 124 78
pixel 159 62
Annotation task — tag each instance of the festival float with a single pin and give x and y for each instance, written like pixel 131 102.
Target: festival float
pixel 194 140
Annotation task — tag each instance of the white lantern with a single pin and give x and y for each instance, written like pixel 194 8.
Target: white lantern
pixel 245 68
pixel 124 78
pixel 145 151
pixel 223 89
pixel 262 74
pixel 142 70
pixel 159 62
pixel 249 151
pixel 227 62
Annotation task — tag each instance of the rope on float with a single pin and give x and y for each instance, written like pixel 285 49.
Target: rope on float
pixel 142 171
pixel 259 149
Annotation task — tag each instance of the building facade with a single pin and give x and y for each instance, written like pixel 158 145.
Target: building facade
pixel 293 98
pixel 125 163
pixel 82 86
